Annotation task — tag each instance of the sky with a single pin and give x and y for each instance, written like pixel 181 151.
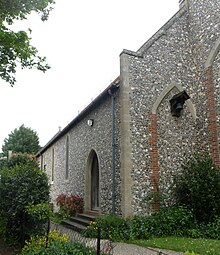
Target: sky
pixel 82 41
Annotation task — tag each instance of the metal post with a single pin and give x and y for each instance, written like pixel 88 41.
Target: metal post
pixel 47 234
pixel 98 241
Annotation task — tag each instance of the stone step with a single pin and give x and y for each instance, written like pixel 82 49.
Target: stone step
pixel 79 222
pixel 73 225
pixel 87 217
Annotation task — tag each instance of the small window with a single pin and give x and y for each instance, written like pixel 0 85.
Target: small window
pixel 52 170
pixel 41 162
pixel 67 158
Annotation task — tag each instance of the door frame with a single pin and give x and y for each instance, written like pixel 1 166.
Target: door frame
pixel 88 183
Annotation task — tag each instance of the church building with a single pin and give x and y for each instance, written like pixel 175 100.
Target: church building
pixel 131 140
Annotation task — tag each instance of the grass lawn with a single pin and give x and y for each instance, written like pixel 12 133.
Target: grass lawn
pixel 200 246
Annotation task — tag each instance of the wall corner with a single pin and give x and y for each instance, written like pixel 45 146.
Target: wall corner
pixel 125 133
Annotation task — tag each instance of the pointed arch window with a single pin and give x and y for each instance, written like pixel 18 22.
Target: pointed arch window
pixel 41 162
pixel 67 158
pixel 52 169
pixel 167 90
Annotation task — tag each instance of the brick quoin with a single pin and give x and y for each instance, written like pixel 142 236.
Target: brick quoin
pixel 212 125
pixel 152 128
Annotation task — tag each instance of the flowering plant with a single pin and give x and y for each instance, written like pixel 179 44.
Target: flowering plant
pixel 70 204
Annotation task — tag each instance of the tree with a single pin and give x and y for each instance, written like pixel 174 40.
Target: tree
pixel 198 188
pixel 23 140
pixel 15 46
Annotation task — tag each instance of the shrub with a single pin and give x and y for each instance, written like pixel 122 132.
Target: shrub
pixel 212 230
pixel 198 188
pixel 168 221
pixel 58 244
pixel 112 227
pixel 141 227
pixel 165 222
pixel 198 231
pixel 22 158
pixel 36 242
pixel 70 204
pixel 59 247
pixel 39 214
pixel 21 185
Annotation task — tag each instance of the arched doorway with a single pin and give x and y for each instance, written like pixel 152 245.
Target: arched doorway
pixel 92 186
pixel 95 183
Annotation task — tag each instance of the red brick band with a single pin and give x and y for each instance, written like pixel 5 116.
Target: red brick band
pixel 152 128
pixel 212 126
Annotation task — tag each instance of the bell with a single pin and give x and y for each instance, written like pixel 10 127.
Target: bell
pixel 177 110
pixel 177 102
pixel 179 106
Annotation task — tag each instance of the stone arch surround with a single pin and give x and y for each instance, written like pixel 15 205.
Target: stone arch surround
pixel 153 140
pixel 88 179
pixel 166 91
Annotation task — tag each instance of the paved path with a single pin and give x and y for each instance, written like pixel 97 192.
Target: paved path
pixel 119 248
pixel 131 249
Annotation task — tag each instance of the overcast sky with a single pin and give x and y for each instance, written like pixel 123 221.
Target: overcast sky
pixel 82 41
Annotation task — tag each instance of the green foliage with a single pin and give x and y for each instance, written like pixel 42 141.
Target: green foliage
pixel 39 214
pixel 60 215
pixel 19 9
pixel 112 227
pixel 199 246
pixel 198 188
pixel 21 158
pixel 58 245
pixel 70 204
pixel 15 51
pixel 15 46
pixel 210 230
pixel 165 222
pixel 3 162
pixel 23 140
pixel 168 221
pixel 191 253
pixel 40 241
pixel 198 231
pixel 21 186
pixel 173 221
pixel 62 248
